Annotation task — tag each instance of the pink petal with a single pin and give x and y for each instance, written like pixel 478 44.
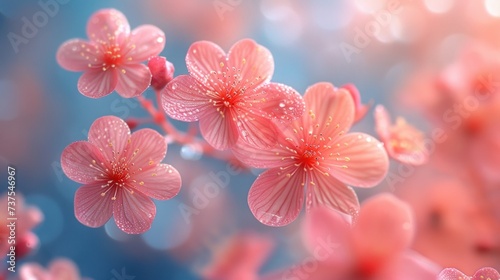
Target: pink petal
pixel 327 235
pixel 412 266
pixel 383 230
pixel 276 199
pixel 145 150
pixel 110 134
pixel 486 273
pixel 325 190
pixel 148 41
pixel 78 55
pixel 31 271
pixel 254 62
pixel 261 158
pixel 63 269
pixel 257 131
pixel 276 101
pixel 81 162
pixel 202 58
pixel 330 108
pixel 133 80
pixel 96 83
pixel 452 274
pixel 134 212
pixel 220 132
pixel 359 160
pixel 162 182
pixel 108 26
pixel 382 123
pixel 185 99
pixel 361 109
pixel 91 207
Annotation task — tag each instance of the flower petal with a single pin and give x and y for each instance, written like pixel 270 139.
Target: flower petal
pixel 202 59
pixel 486 273
pixel 145 150
pixel 96 83
pixel 108 26
pixel 452 274
pixel 326 190
pixel 110 134
pixel 329 111
pixel 133 80
pixel 261 158
pixel 382 123
pixel 383 230
pixel 78 55
pixel 253 62
pixel 33 271
pixel 276 101
pixel 220 132
pixel 134 212
pixel 412 266
pixel 162 182
pixel 358 159
pixel 276 199
pixel 185 99
pixel 257 131
pixel 147 41
pixel 64 269
pixel 91 207
pixel 81 162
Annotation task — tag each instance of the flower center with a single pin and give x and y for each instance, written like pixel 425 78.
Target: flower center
pixel 112 56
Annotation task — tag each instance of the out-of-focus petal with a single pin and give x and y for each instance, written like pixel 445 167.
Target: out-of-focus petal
pixel 108 26
pixel 134 212
pixel 219 131
pixel 382 123
pixel 110 134
pixel 31 271
pixel 145 41
pixel 63 269
pixel 81 162
pixel 162 182
pixel 358 159
pixel 92 208
pixel 361 109
pixel 203 58
pixel 412 266
pixel 253 62
pixel 185 99
pixel 78 55
pixel 96 83
pixel 276 199
pixel 145 149
pixel 133 80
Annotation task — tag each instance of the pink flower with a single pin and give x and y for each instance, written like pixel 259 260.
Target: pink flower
pixel 231 95
pixel 28 217
pixel 59 269
pixel 120 173
pixel 482 274
pixel 402 141
pixel 111 60
pixel 314 153
pixel 240 259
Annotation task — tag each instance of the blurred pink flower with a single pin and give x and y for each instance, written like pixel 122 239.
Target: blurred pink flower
pixel 240 259
pixel 360 109
pixel 59 269
pixel 112 58
pixel 28 217
pixel 231 95
pixel 315 153
pixel 402 141
pixel 484 273
pixel 120 173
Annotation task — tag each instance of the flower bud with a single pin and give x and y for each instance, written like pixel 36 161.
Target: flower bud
pixel 162 71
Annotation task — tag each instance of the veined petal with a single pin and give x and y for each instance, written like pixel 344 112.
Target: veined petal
pixel 145 41
pixel 203 58
pixel 262 158
pixel 82 162
pixel 358 160
pixel 325 190
pixel 162 182
pixel 110 134
pixel 253 62
pixel 78 55
pixel 92 208
pixel 219 131
pixel 133 80
pixel 185 99
pixel 145 150
pixel 108 26
pixel 275 198
pixel 134 212
pixel 257 131
pixel 96 83
pixel 329 111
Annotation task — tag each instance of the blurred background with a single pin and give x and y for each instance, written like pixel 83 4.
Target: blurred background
pixel 420 59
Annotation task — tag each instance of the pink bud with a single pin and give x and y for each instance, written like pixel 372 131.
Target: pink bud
pixel 361 109
pixel 162 71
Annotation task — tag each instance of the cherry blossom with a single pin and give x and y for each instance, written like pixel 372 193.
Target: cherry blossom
pixel 231 95
pixel 162 71
pixel 314 154
pixel 59 269
pixel 120 172
pixel 111 60
pixel 402 141
pixel 485 273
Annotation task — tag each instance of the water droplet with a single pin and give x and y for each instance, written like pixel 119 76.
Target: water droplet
pixel 174 86
pixel 282 105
